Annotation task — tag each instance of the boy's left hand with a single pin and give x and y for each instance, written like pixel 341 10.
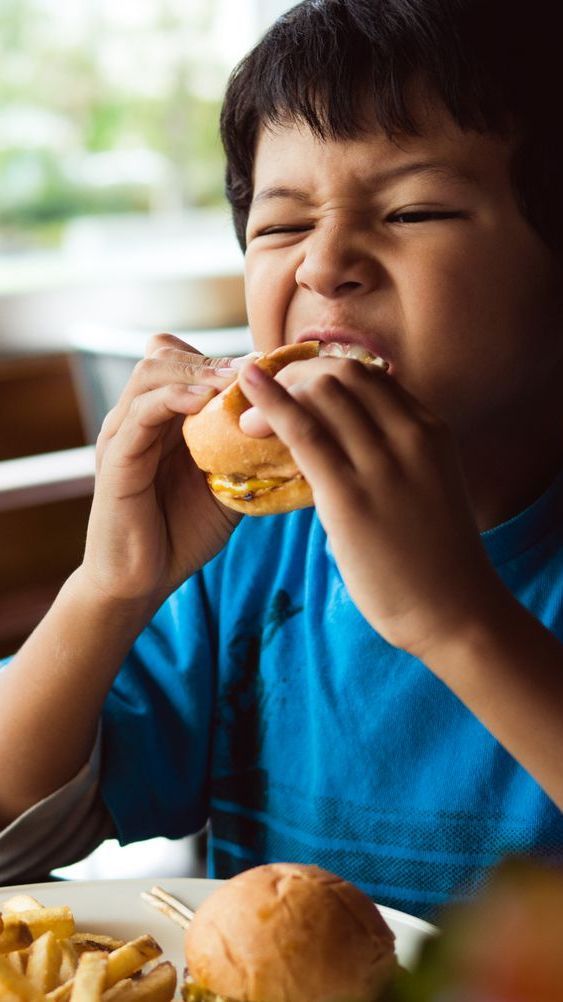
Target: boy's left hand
pixel 389 490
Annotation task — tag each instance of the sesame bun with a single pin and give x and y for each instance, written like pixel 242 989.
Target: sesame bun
pixel 285 931
pixel 253 475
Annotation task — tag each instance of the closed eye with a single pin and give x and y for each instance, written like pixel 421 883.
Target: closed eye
pixel 273 230
pixel 423 217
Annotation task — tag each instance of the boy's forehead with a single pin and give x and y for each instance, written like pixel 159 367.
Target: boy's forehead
pixel 440 147
pixel 289 144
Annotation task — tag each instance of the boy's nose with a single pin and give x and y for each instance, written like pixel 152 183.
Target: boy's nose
pixel 335 265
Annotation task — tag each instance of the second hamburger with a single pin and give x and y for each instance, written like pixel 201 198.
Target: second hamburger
pixel 288 932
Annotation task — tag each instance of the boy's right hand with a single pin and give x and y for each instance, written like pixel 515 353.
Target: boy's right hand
pixel 154 520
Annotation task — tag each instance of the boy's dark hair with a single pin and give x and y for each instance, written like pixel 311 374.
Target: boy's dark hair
pixel 495 64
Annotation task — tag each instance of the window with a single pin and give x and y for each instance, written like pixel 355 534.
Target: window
pixel 113 108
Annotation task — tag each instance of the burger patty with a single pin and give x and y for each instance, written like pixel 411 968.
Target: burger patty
pixel 245 488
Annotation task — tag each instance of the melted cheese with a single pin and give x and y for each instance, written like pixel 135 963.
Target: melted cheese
pixel 242 488
pixel 194 993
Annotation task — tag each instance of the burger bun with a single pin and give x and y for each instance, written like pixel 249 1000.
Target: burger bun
pixel 225 453
pixel 287 931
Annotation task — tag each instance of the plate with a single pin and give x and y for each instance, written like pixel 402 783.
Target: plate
pixel 115 907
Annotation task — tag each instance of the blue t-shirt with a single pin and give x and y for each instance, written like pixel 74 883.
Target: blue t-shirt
pixel 260 698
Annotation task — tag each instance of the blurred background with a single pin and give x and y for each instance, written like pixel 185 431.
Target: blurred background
pixel 113 225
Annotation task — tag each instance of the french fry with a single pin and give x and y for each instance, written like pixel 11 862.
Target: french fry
pixel 113 993
pixel 62 993
pixel 90 977
pixel 15 985
pixel 121 963
pixel 158 985
pixel 130 958
pixel 44 959
pixel 15 935
pixel 9 996
pixel 59 921
pixel 69 960
pixel 43 963
pixel 95 941
pixel 17 959
pixel 20 903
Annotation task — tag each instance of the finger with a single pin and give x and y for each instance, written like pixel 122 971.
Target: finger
pixel 169 342
pixel 371 415
pixel 186 367
pixel 294 377
pixel 166 340
pixel 226 364
pixel 319 457
pixel 154 372
pixel 347 421
pixel 252 422
pixel 149 416
pixel 377 419
pixel 309 373
pixel 388 401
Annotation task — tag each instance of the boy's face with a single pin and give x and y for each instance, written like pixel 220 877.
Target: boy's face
pixel 416 250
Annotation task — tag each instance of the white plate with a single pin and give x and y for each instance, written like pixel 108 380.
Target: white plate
pixel 116 908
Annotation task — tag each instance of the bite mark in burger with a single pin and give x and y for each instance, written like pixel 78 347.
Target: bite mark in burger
pixel 257 476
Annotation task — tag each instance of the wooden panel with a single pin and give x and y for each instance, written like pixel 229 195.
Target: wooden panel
pixel 41 546
pixel 38 407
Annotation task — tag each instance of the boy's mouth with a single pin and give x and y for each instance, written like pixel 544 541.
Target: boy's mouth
pixel 336 349
pixel 345 343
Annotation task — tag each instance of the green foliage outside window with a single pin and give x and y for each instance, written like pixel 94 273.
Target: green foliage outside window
pixel 62 113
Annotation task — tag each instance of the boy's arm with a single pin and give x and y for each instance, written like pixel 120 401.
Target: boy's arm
pixel 389 490
pixel 61 829
pixel 153 523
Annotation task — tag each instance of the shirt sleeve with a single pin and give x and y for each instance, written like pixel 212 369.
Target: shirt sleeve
pixel 64 827
pixel 148 774
pixel 158 719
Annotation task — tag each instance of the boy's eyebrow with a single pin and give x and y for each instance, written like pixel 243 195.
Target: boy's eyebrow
pixel 431 168
pixel 380 179
pixel 281 191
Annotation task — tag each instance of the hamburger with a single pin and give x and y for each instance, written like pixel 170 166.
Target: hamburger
pixel 286 932
pixel 257 476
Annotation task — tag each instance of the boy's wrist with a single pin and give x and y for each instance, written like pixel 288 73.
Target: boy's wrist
pixel 131 614
pixel 487 636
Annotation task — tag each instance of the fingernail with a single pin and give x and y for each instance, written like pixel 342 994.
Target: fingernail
pixel 200 390
pixel 237 363
pixel 224 371
pixel 254 375
pixel 247 417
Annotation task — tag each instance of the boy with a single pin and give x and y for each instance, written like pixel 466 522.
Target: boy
pixel 376 684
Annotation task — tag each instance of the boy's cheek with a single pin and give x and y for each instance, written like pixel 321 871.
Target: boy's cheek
pixel 267 300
